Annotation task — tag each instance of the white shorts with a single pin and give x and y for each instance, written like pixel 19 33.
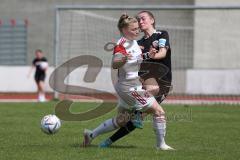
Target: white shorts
pixel 134 98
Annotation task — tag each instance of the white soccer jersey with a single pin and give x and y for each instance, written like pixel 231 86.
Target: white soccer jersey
pixel 129 71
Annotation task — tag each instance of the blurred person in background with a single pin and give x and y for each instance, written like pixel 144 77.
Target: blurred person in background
pixel 40 65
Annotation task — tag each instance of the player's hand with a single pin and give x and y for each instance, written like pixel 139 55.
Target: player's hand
pixel 152 52
pixel 129 56
pixel 118 60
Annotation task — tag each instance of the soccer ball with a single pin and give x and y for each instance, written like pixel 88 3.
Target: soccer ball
pixel 50 124
pixel 43 65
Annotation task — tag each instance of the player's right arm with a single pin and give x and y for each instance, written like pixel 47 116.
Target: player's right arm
pixel 163 44
pixel 31 69
pixel 119 57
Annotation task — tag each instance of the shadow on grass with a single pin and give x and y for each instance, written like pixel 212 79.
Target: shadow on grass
pixel 77 145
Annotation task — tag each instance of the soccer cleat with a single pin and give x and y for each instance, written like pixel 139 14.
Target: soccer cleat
pixel 42 99
pixel 106 143
pixel 87 137
pixel 165 147
pixel 137 120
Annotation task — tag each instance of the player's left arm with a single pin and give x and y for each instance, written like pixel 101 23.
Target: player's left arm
pixel 163 44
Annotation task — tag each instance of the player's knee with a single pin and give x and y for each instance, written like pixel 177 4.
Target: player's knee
pixel 122 119
pixel 153 89
pixel 159 117
pixel 159 114
pixel 158 110
pixel 121 123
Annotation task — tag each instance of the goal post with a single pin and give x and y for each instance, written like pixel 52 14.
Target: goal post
pixel 204 42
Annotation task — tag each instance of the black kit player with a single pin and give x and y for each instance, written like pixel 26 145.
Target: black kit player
pixel 40 64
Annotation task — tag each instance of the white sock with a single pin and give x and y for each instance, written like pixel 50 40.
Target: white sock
pixel 41 97
pixel 107 126
pixel 159 125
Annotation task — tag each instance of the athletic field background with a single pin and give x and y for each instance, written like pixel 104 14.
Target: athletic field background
pixel 209 132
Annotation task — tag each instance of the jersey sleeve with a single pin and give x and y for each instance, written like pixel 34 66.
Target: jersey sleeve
pixel 120 49
pixel 163 41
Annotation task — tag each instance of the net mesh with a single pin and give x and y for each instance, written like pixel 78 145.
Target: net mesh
pixel 205 50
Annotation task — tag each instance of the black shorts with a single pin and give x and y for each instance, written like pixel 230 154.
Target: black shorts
pixel 39 77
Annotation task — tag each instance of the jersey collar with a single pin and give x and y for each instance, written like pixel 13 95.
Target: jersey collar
pixel 154 31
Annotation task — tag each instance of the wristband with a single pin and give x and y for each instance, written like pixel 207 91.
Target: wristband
pixel 146 55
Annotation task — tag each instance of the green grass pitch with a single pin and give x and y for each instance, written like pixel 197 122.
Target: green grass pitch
pixel 209 132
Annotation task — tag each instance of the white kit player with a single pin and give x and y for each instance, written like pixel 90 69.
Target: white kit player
pixel 127 59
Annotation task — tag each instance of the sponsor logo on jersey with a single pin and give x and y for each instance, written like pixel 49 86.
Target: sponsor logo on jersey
pixel 159 32
pixel 162 42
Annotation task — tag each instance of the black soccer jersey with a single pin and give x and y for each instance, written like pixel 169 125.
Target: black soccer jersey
pixel 36 62
pixel 157 40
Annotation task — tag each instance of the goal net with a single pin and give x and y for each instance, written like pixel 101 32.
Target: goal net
pixel 204 43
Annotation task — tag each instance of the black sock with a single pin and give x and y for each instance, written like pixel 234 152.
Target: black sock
pixel 123 131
